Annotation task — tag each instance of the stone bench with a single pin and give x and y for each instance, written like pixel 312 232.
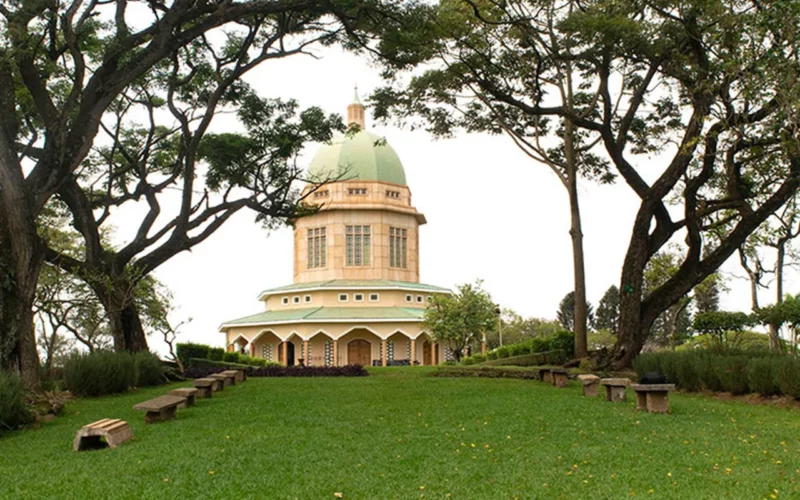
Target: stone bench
pixel 185 392
pixel 591 384
pixel 161 408
pixel 205 386
pixel 653 397
pixel 224 380
pixel 235 374
pixel 560 376
pixel 615 388
pixel 545 375
pixel 107 432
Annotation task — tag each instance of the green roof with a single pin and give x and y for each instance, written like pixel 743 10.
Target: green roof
pixel 363 156
pixel 361 284
pixel 321 314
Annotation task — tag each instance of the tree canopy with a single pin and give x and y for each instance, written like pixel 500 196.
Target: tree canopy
pixel 461 319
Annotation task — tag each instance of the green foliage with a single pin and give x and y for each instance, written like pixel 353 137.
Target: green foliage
pixel 719 370
pixel 607 316
pixel 557 357
pixel 789 376
pixel 517 329
pixel 13 410
pixel 99 373
pixel 566 312
pixel 460 319
pixel 563 341
pixel 725 326
pixel 762 375
pixel 216 353
pixel 503 352
pixel 231 357
pixel 150 370
pixel 189 350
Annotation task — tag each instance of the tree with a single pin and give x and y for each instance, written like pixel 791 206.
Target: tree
pixel 566 312
pixel 607 316
pixel 65 66
pixel 706 294
pixel 721 324
pixel 517 329
pixel 459 320
pixel 663 88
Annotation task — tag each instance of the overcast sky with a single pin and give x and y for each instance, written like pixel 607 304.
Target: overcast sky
pixel 493 214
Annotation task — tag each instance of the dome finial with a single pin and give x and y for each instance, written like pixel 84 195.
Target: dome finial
pixel 355 111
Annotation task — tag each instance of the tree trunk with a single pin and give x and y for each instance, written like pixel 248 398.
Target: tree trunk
pixel 123 316
pixel 576 233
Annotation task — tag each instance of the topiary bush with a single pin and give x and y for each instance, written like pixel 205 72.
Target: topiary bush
pixel 185 352
pixel 231 357
pixel 13 410
pixel 562 341
pixel 216 353
pixel 99 373
pixel 762 375
pixel 150 371
pixel 788 376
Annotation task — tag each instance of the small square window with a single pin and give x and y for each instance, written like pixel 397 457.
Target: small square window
pixel 307 298
pixel 419 299
pixel 359 297
pixel 285 300
pixel 374 297
pixel 409 298
pixel 296 299
pixel 342 297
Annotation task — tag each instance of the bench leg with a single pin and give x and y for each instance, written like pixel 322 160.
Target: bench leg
pixel 641 400
pixel 152 416
pixel 547 377
pixel 190 400
pixel 590 390
pixel 615 394
pixel 658 402
pixel 560 380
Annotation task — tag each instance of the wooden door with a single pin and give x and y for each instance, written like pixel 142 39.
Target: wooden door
pixel 359 352
pixel 426 353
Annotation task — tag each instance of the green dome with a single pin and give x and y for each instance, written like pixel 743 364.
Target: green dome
pixel 357 157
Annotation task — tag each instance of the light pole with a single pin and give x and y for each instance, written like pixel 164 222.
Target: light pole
pixel 499 324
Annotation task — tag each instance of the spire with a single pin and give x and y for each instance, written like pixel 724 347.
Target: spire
pixel 355 111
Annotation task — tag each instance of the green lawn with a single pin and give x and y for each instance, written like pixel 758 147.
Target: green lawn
pixel 401 434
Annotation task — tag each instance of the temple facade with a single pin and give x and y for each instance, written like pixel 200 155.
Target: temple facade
pixel 356 296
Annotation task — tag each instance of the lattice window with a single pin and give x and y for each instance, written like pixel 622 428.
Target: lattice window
pixel 408 349
pixel 397 247
pixel 389 351
pixel 448 354
pixel 328 353
pixel 266 352
pixel 357 245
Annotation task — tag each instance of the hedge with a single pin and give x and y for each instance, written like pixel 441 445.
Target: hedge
pixel 185 352
pixel 737 372
pixel 562 341
pixel 285 371
pixel 485 372
pixel 99 373
pixel 539 358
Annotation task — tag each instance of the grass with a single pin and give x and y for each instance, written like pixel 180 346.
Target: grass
pixel 400 434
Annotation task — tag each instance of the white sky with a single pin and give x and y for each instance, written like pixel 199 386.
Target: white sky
pixel 493 214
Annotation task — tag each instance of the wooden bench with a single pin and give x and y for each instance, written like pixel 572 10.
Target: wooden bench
pixel 615 388
pixel 205 386
pixel 161 408
pixel 224 381
pixel 233 375
pixel 653 397
pixel 107 432
pixel 185 392
pixel 560 376
pixel 591 383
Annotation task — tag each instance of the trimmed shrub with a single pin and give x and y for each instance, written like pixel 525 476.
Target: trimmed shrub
pixel 231 357
pixel 563 341
pixel 789 377
pixel 485 372
pixel 13 410
pixel 519 349
pixel 685 369
pixel 185 352
pixel 732 373
pixel 502 352
pixel 479 358
pixel 216 353
pixel 150 370
pixel 99 373
pixel 468 361
pixel 539 344
pixel 491 355
pixel 762 375
pixel 284 371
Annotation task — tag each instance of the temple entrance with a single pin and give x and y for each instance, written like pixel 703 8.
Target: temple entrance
pixel 289 353
pixel 359 352
pixel 426 353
